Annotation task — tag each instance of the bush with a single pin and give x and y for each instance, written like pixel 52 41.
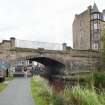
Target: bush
pixel 57 99
pixel 96 79
pixel 99 78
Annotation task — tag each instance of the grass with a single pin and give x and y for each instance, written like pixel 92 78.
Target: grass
pixel 83 96
pixel 9 78
pixel 43 94
pixel 99 79
pixel 93 93
pixel 2 86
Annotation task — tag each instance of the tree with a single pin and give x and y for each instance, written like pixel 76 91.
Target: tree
pixel 103 46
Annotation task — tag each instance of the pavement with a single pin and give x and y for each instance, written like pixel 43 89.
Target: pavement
pixel 18 92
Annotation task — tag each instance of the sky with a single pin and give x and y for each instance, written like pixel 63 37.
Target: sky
pixel 41 20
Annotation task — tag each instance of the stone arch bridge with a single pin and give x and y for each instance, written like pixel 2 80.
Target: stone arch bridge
pixel 62 62
pixel 58 61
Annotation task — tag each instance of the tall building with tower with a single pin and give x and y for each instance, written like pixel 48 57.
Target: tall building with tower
pixel 87 29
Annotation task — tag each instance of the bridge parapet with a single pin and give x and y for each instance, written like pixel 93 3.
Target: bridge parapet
pixel 74 53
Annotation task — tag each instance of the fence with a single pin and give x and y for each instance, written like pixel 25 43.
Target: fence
pixel 36 45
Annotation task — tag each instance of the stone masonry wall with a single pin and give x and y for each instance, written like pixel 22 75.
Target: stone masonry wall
pixel 81 30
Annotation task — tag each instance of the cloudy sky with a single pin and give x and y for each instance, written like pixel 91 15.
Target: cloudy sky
pixel 41 20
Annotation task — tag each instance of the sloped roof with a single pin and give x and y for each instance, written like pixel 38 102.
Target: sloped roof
pixel 95 8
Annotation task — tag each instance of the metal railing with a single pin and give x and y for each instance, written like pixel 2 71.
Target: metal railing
pixel 36 45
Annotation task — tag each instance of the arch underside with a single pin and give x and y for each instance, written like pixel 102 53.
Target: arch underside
pixel 54 67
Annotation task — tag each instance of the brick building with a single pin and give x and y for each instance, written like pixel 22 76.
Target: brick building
pixel 87 29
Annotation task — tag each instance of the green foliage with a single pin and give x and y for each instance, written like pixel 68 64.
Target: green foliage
pixel 103 45
pixel 9 78
pixel 94 79
pixel 44 95
pixel 99 78
pixel 103 38
pixel 82 96
pixel 57 100
pixel 2 86
pixel 40 91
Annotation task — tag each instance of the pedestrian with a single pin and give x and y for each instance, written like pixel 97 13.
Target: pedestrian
pixel 25 72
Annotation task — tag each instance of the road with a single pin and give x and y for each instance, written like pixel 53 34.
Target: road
pixel 18 92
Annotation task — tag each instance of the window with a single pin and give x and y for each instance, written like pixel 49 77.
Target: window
pixel 101 16
pixel 94 16
pixel 95 46
pixel 104 17
pixel 98 16
pixel 96 26
pixel 95 37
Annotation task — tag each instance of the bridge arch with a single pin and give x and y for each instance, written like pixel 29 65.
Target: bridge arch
pixel 54 67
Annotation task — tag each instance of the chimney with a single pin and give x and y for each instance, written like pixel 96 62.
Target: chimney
pixel 64 46
pixel 12 39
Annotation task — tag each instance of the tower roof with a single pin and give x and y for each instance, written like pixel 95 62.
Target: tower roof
pixel 95 8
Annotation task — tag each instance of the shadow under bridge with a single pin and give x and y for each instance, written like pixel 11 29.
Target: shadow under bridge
pixel 53 67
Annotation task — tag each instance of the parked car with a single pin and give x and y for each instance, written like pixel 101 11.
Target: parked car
pixel 18 71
